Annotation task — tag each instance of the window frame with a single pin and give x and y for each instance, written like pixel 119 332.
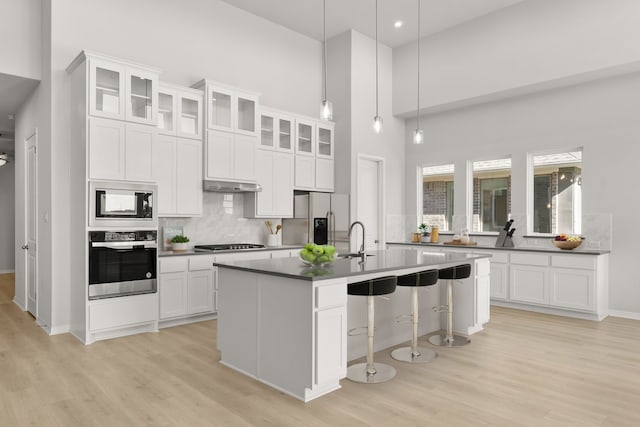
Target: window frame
pixel 470 194
pixel 420 192
pixel 530 183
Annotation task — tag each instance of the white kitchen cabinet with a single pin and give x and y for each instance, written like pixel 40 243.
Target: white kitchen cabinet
pixel 173 295
pixel 274 172
pixel 305 172
pixel 230 109
pixel 324 174
pixel 572 288
pixel 186 288
pixel 331 346
pixel 276 130
pixel 324 138
pixel 142 95
pixel 179 111
pixel 121 151
pixel 230 156
pixel 314 163
pixel 121 90
pixel 178 163
pixel 529 284
pixel 305 137
pixel 499 280
pixel 114 317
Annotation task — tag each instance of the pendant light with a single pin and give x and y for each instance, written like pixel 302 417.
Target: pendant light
pixel 326 109
pixel 377 120
pixel 418 136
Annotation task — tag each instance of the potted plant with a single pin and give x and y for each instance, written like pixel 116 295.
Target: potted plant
pixel 179 243
pixel 425 234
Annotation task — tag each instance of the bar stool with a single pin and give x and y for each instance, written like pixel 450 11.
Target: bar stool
pixel 369 372
pixel 448 339
pixel 415 354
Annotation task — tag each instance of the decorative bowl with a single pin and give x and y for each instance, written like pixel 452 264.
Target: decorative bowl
pixel 566 244
pixel 318 263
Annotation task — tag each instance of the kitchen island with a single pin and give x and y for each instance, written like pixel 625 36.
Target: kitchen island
pixel 286 324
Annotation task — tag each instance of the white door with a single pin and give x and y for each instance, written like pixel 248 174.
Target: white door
pixel 31 231
pixel 369 202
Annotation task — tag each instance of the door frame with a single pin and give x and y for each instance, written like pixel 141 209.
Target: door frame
pixel 25 236
pixel 381 165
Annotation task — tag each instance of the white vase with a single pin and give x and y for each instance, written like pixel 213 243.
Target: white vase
pixel 179 247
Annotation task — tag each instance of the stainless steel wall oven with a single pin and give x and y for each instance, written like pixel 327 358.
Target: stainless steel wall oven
pixel 122 263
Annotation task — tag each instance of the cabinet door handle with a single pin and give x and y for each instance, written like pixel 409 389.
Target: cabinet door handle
pixel 25 247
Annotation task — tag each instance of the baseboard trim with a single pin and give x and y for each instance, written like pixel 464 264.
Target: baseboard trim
pixel 7 271
pixel 625 314
pixel 20 304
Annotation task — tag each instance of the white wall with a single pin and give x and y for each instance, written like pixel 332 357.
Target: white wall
pixel 388 144
pixel 600 116
pixel 518 49
pixel 187 40
pixel 20 33
pixel 7 206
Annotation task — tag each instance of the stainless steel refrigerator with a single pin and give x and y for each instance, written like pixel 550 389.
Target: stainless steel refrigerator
pixel 321 218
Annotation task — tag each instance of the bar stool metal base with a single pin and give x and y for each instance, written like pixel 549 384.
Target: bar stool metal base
pixel 406 354
pixel 359 374
pixel 452 341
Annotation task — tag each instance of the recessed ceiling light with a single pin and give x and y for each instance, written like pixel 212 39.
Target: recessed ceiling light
pixel 398 24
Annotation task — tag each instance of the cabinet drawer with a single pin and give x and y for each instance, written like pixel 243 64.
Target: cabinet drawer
pixel 530 259
pixel 502 257
pixel 574 261
pixel 331 296
pixel 201 262
pixel 122 312
pixel 173 264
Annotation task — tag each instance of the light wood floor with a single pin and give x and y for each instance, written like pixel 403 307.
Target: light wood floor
pixel 525 369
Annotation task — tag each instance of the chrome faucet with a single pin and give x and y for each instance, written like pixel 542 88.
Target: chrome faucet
pixel 362 251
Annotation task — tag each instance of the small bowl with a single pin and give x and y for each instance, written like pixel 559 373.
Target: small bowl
pixel 319 264
pixel 566 245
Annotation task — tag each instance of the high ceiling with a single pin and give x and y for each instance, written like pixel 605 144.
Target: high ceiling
pixel 305 16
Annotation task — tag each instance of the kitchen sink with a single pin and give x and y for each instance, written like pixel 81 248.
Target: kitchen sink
pixel 353 255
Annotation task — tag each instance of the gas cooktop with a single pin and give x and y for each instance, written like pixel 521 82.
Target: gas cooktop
pixel 226 247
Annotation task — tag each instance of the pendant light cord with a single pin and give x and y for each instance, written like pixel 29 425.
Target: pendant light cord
pixel 418 106
pixel 377 58
pixel 324 48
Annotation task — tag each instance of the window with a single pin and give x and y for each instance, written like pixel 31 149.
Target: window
pixel 437 196
pixel 491 195
pixel 557 193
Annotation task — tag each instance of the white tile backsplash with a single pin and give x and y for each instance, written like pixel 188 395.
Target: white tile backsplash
pixel 222 221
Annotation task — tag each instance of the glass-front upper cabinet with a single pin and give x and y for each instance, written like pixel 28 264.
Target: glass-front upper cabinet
pixel 142 88
pixel 267 130
pixel 118 90
pixel 166 111
pixel 325 140
pixel 286 126
pixel 230 109
pixel 190 114
pixel 220 109
pixel 180 111
pixel 106 91
pixel 305 139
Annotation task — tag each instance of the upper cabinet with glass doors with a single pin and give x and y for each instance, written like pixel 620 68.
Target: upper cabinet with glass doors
pixel 179 111
pixel 230 109
pixel 276 130
pixel 121 90
pixel 324 140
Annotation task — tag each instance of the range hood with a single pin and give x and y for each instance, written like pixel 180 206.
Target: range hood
pixel 230 187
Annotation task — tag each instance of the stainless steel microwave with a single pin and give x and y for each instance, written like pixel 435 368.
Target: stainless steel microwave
pixel 122 204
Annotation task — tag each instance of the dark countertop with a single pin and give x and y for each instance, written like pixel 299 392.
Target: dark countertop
pixel 380 261
pixel 552 250
pixel 230 251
